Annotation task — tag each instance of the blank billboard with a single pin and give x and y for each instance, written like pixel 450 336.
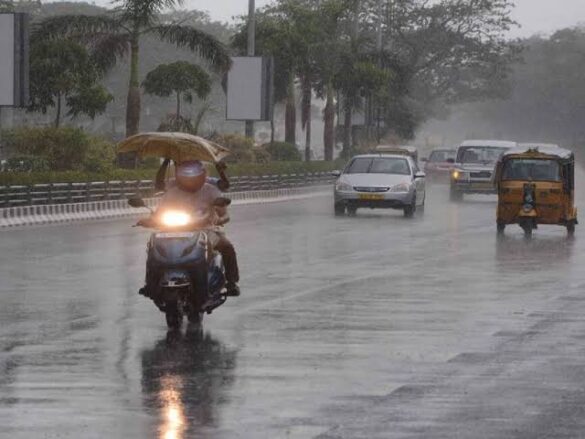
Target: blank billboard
pixel 13 60
pixel 249 89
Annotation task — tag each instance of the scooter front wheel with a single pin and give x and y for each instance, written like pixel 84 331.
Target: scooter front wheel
pixel 173 315
pixel 195 317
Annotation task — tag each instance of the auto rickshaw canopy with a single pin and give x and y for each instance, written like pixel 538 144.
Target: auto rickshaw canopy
pixel 534 150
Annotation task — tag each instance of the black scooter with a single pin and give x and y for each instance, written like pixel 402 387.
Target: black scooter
pixel 184 275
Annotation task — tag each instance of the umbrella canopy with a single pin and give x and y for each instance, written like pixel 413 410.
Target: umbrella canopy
pixel 178 147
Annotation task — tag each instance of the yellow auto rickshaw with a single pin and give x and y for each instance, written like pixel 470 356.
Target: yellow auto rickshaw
pixel 536 185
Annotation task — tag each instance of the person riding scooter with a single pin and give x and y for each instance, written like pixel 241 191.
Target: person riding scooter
pixel 194 192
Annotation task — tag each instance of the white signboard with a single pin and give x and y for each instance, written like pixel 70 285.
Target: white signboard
pixel 249 89
pixel 7 59
pixel 13 60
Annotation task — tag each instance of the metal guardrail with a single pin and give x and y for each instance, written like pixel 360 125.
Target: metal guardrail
pixel 61 193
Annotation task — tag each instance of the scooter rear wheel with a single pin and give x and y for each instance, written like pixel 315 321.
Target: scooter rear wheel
pixel 173 316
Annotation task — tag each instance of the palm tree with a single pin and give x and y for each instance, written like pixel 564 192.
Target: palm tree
pixel 112 36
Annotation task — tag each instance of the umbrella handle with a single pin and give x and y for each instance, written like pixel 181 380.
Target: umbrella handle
pixel 224 182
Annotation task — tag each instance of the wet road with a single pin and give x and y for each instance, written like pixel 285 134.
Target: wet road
pixel 367 327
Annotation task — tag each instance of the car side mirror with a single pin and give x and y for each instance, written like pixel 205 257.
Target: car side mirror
pixel 222 202
pixel 418 175
pixel 336 173
pixel 452 161
pixel 136 202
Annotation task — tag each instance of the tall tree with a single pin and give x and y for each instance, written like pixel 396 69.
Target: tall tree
pixel 63 74
pixel 446 52
pixel 6 6
pixel 276 36
pixel 118 33
pixel 180 78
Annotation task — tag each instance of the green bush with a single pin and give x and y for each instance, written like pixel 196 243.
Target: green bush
pixel 63 149
pixel 99 156
pixel 234 170
pixel 282 151
pixel 241 147
pixel 25 163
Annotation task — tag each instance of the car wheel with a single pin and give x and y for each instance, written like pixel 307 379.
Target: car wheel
pixel 411 208
pixel 339 209
pixel 501 227
pixel 351 210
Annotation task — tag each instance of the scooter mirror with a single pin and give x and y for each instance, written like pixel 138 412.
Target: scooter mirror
pixel 136 202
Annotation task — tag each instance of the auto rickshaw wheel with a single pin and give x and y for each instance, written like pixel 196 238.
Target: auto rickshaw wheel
pixel 571 228
pixel 528 227
pixel 339 209
pixel 501 227
pixel 351 210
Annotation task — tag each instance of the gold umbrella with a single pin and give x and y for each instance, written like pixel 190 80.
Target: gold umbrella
pixel 178 147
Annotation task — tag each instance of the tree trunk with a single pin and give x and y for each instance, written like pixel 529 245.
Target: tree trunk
pixel 272 130
pixel 178 106
pixel 306 116
pixel 290 118
pixel 346 130
pixel 133 100
pixel 308 141
pixel 58 115
pixel 329 119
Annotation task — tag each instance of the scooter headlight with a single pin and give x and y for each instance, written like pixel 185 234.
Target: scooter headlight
pixel 175 218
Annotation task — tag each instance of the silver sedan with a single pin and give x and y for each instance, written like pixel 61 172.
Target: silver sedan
pixel 380 181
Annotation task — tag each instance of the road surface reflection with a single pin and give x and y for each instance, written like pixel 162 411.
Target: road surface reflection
pixel 185 378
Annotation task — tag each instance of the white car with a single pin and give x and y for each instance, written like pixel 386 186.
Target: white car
pixel 387 181
pixel 474 167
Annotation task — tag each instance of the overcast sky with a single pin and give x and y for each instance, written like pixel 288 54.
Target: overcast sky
pixel 535 16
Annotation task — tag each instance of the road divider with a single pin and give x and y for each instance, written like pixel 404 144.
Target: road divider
pixel 93 210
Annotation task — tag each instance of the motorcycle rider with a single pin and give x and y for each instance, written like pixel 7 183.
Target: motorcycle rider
pixel 193 191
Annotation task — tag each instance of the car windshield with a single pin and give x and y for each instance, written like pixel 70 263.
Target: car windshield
pixel 382 165
pixel 531 169
pixel 441 156
pixel 479 154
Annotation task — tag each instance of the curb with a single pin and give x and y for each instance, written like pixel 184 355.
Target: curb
pixel 74 212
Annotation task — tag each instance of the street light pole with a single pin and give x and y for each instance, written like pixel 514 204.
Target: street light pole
pixel 251 52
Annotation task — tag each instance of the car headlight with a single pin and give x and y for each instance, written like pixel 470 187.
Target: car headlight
pixel 175 218
pixel 343 187
pixel 458 175
pixel 402 187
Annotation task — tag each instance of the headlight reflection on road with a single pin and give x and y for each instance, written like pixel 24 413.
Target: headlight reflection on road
pixel 173 426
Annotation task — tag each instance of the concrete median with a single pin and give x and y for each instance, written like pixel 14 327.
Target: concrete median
pixel 72 212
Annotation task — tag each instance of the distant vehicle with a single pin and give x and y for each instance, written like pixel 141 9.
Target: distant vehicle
pixel 398 149
pixel 474 167
pixel 439 164
pixel 536 185
pixel 391 181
